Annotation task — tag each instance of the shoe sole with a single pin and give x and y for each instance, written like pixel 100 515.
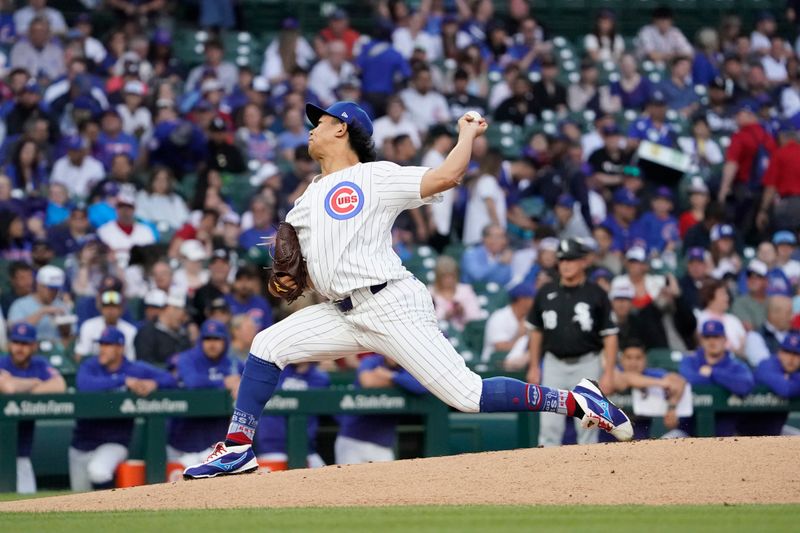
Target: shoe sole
pixel 245 471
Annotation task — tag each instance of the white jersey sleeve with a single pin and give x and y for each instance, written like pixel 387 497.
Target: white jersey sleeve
pixel 399 186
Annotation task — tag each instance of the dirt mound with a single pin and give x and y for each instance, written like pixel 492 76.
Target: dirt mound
pixel 685 471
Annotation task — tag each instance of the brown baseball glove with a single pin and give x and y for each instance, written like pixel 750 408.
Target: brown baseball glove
pixel 287 261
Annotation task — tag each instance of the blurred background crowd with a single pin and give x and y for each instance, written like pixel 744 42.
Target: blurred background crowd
pixel 147 147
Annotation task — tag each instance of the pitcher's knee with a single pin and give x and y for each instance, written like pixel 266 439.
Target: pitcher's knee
pixel 263 346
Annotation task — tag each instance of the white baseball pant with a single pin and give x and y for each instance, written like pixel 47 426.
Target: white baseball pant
pixel 560 375
pixel 95 467
pixel 398 322
pixel 354 452
pixel 26 479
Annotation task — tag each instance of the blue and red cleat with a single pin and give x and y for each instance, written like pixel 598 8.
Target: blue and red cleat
pixel 224 461
pixel 600 412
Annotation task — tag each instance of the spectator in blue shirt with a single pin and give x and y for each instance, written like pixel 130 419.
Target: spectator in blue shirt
pixel 678 88
pixel 270 440
pixel 113 140
pixel 620 221
pixel 22 372
pixel 713 364
pixel 653 126
pixel 382 66
pixel 99 446
pixel 781 374
pixel 263 224
pixel 489 261
pixel 657 227
pixel 372 438
pixel 244 297
pixel 206 366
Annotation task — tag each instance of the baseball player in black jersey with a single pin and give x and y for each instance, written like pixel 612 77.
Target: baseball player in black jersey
pixel 573 332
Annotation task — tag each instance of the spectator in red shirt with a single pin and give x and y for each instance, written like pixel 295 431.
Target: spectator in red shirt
pixel 782 178
pixel 338 29
pixel 744 166
pixel 698 200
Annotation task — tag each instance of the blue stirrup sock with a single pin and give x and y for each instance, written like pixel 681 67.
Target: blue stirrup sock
pixel 502 394
pixel 258 383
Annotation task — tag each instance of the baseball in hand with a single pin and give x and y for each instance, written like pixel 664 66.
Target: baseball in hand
pixel 474 115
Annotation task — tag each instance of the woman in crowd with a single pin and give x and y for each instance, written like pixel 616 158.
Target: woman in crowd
pixel 455 302
pixel 604 43
pixel 715 299
pixel 159 204
pixel 632 89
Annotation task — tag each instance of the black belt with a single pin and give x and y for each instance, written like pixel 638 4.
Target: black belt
pixel 346 304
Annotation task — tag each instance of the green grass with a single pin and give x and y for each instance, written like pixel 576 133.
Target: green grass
pixel 11 496
pixel 750 518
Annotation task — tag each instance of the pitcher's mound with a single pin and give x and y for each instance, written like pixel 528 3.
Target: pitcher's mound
pixel 685 471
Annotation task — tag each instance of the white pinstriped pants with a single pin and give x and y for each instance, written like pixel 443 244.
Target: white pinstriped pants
pixel 398 322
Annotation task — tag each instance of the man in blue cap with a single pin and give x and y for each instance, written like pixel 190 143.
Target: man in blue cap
pixel 22 372
pixel 620 221
pixel 781 374
pixel 340 231
pixel 99 446
pixel 658 228
pixel 205 366
pixel 653 126
pixel 697 270
pixel 713 364
pixel 785 245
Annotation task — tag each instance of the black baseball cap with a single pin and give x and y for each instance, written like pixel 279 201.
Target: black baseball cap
pixel 569 249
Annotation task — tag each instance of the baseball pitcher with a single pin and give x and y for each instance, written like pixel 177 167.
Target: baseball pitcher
pixel 337 241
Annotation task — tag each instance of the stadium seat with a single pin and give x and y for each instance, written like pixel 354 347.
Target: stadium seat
pixel 473 335
pixel 664 358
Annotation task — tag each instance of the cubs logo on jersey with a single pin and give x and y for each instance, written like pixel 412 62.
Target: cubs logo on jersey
pixel 344 201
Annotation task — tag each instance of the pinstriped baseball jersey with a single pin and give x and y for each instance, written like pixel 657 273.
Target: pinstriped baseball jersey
pixel 344 222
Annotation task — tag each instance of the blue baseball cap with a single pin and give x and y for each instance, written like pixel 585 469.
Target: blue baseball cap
pixel 565 200
pixel 523 290
pixel 713 328
pixel 658 97
pixel 74 142
pixel 696 254
pixel 722 231
pixel 664 192
pixel 791 342
pixel 22 332
pixel 348 112
pixel 784 237
pixel 601 273
pixel 112 335
pixel 213 329
pixel 625 196
pixel 749 106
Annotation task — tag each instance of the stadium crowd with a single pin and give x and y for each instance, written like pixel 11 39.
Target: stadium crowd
pixel 137 188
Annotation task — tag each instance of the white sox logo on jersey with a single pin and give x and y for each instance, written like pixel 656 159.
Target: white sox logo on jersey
pixel 344 201
pixel 583 316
